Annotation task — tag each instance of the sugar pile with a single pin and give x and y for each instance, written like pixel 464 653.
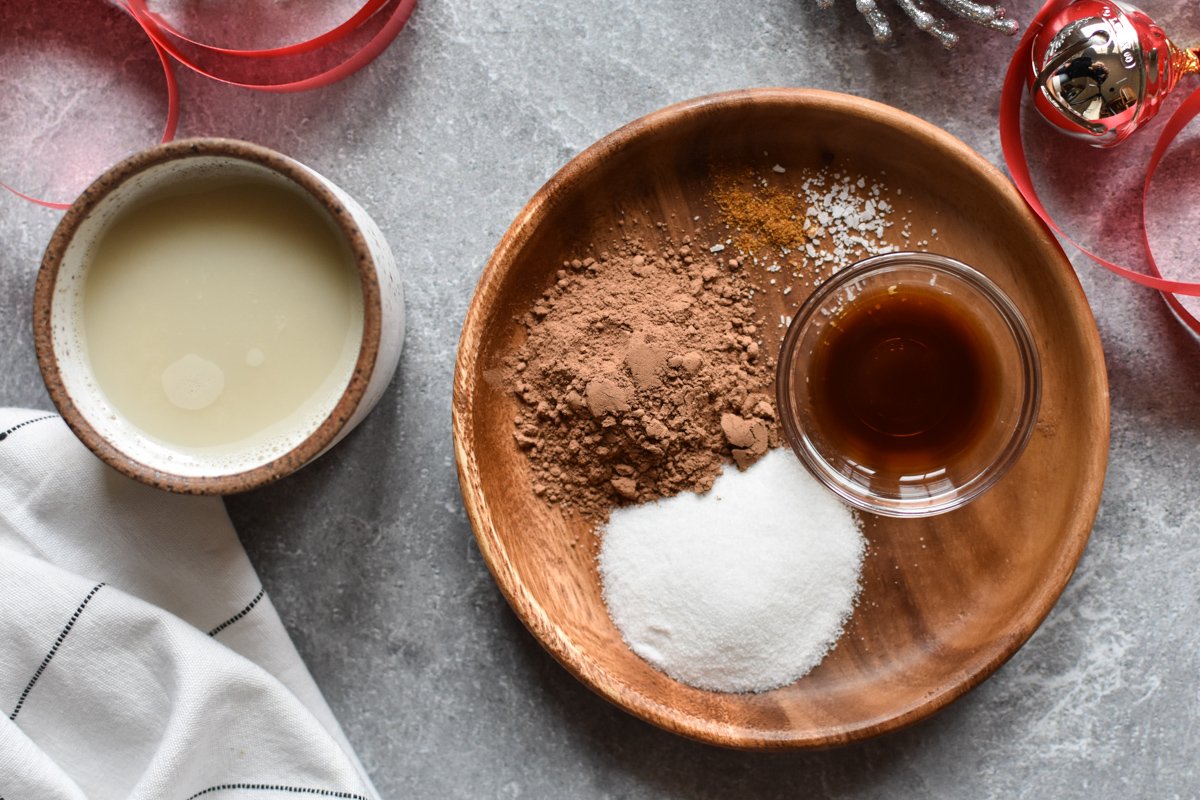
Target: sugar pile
pixel 742 589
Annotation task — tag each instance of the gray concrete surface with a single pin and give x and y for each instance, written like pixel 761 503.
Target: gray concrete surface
pixel 368 554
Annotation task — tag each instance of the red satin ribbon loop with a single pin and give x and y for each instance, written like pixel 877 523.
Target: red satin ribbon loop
pixel 168 38
pixel 1013 148
pixel 172 46
pixel 140 10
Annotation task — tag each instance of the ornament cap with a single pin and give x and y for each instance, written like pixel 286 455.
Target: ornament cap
pixel 1185 60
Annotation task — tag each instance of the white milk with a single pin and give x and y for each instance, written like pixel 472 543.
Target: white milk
pixel 221 316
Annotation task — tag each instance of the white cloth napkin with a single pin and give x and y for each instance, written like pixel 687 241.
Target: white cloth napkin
pixel 139 656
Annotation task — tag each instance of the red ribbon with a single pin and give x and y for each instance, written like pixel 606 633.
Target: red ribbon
pixel 1014 155
pixel 221 64
pixel 389 15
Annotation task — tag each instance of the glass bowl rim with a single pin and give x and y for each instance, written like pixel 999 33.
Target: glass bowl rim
pixel 996 467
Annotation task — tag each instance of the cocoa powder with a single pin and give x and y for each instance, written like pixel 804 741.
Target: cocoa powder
pixel 640 376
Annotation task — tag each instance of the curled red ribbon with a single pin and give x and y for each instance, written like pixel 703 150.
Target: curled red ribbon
pixel 220 63
pixel 387 17
pixel 1011 99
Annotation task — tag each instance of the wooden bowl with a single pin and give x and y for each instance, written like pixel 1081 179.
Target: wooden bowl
pixel 945 600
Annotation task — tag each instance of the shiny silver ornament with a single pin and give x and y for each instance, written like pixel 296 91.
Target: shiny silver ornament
pixel 1101 69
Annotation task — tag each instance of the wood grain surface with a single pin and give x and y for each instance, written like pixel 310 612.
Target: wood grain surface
pixel 945 600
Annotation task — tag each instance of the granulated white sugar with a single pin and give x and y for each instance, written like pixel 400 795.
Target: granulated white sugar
pixel 743 589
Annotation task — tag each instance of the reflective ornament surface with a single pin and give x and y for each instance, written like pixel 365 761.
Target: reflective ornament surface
pixel 1101 68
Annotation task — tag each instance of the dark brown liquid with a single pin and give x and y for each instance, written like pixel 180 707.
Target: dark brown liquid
pixel 901 382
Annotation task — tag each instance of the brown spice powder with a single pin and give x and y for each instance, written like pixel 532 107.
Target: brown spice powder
pixel 640 376
pixel 761 216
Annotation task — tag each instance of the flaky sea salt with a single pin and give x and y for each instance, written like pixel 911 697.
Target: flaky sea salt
pixel 742 589
pixel 852 214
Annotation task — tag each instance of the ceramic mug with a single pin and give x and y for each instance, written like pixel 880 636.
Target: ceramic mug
pixel 62 346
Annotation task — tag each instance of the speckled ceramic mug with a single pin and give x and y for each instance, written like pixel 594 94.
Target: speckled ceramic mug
pixel 62 347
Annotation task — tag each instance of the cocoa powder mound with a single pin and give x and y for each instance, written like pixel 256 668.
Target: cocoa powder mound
pixel 640 375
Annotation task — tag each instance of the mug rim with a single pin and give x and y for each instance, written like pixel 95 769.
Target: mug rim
pixel 319 439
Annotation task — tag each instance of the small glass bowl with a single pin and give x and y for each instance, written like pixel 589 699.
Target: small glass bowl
pixel 966 469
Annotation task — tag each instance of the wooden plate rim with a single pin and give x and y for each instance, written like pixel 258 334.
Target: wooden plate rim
pixel 533 615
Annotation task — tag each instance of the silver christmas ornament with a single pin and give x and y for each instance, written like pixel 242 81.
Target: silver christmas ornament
pixel 1101 69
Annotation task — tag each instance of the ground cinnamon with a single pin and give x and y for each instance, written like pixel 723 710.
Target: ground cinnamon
pixel 761 216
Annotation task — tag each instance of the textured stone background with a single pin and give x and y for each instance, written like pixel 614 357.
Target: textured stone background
pixel 368 554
